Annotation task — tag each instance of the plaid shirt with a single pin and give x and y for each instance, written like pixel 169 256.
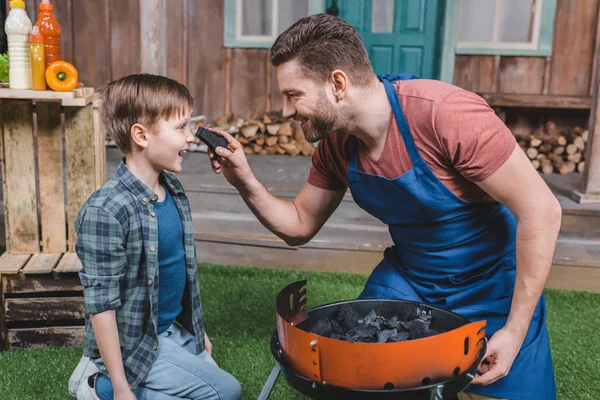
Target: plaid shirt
pixel 117 243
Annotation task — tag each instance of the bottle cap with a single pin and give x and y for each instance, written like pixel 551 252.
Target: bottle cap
pixel 16 4
pixel 46 6
pixel 35 36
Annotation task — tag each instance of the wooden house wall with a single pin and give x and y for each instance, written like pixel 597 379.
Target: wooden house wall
pixel 568 72
pixel 102 39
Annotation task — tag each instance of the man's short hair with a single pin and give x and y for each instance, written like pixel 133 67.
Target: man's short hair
pixel 323 43
pixel 141 99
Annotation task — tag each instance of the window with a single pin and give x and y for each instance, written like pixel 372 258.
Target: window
pixel 506 27
pixel 257 23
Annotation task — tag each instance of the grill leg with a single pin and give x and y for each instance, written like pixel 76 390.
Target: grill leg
pixel 266 390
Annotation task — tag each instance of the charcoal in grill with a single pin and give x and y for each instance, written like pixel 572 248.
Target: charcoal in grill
pixel 348 326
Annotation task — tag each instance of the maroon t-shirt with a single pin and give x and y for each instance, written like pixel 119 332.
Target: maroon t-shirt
pixel 456 133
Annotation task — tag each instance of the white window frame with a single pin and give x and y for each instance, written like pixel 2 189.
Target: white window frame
pixel 233 36
pixel 540 45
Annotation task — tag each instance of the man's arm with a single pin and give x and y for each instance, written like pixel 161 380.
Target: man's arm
pixel 518 186
pixel 296 221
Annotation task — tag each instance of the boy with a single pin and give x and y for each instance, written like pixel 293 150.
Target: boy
pixel 144 329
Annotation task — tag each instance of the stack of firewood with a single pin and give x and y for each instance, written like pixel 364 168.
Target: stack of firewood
pixel 551 150
pixel 268 134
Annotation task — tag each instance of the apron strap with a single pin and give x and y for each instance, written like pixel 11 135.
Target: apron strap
pixel 392 96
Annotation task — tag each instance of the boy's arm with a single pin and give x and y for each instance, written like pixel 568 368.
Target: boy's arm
pixel 107 337
pixel 101 248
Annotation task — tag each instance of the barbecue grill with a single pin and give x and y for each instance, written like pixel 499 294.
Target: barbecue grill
pixel 433 368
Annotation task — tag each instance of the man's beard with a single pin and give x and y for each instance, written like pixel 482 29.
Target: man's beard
pixel 323 122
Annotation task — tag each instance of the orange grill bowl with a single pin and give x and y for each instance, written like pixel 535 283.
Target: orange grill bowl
pixel 409 364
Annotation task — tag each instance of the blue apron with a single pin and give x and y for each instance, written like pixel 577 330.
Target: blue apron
pixel 453 254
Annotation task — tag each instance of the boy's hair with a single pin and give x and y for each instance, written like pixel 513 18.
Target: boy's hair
pixel 141 99
pixel 323 43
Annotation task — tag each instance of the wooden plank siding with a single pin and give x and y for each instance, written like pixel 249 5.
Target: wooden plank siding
pixel 567 74
pixel 102 38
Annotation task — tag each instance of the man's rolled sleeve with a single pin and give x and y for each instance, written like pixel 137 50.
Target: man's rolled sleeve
pixel 101 249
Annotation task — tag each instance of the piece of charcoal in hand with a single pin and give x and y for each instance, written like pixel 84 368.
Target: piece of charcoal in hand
pixel 323 327
pixel 347 318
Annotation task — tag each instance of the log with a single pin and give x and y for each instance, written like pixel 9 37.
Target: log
pixel 545 148
pixel 551 140
pixel 243 140
pixel 562 141
pixel 291 148
pixel 536 164
pixel 285 129
pixel 248 150
pixel 546 166
pixel 272 129
pixel 532 152
pixel 280 150
pixel 558 150
pixel 585 135
pixel 579 143
pixel 284 139
pixel 571 149
pixel 271 141
pixel 581 167
pixel 272 117
pixel 576 158
pixel 260 140
pixel 224 120
pixel 249 130
pixel 256 148
pixel 535 142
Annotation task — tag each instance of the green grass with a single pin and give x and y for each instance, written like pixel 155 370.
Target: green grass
pixel 240 318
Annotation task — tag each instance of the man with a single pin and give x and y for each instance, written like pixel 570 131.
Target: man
pixel 473 225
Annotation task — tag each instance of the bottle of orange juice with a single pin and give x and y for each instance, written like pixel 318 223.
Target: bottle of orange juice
pixel 38 65
pixel 50 30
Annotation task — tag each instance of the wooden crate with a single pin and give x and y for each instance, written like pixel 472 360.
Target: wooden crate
pixel 45 185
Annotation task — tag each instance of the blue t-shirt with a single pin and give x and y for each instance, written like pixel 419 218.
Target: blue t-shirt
pixel 171 262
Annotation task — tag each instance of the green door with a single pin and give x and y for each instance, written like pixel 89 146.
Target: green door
pixel 400 35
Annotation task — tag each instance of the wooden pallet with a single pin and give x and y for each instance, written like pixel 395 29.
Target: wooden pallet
pixel 53 154
pixel 41 300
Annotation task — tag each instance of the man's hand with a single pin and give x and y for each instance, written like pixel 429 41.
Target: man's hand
pixel 207 344
pixel 502 349
pixel 232 162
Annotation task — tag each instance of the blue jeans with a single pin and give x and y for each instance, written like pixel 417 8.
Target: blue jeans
pixel 179 373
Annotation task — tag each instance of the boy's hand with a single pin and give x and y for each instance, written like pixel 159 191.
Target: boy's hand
pixel 232 162
pixel 207 344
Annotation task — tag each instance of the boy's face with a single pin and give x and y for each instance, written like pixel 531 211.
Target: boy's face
pixel 168 142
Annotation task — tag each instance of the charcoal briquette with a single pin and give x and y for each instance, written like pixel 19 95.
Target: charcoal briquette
pixel 323 327
pixel 347 318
